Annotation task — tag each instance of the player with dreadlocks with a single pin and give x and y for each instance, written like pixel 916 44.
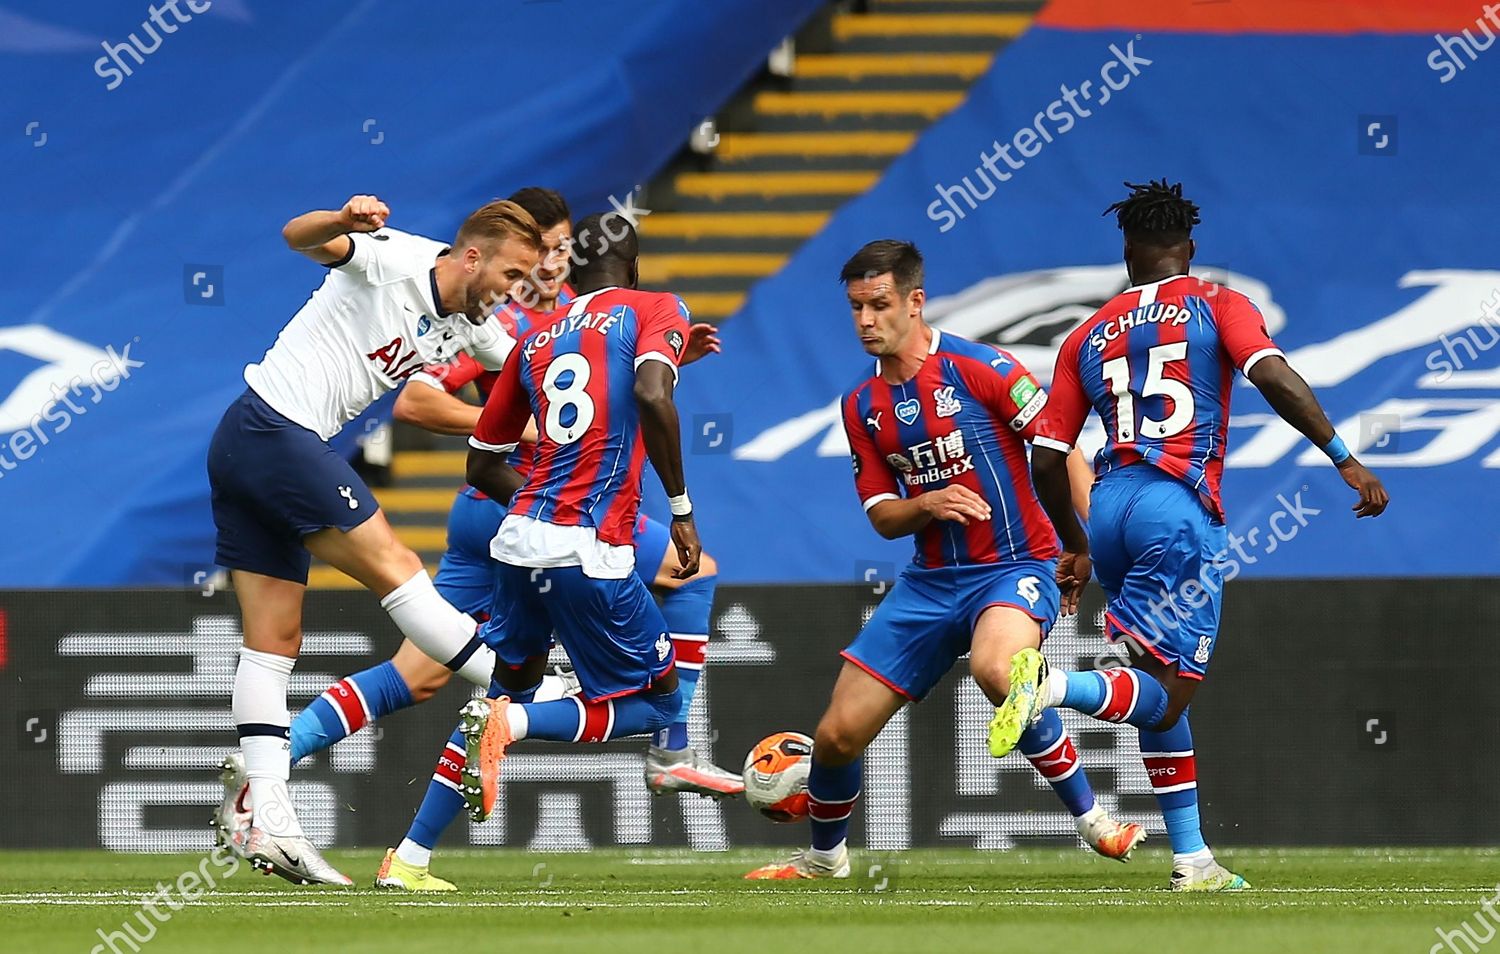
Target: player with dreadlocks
pixel 1157 363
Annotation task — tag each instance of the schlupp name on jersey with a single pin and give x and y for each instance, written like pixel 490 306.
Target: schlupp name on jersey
pixel 590 320
pixel 1152 314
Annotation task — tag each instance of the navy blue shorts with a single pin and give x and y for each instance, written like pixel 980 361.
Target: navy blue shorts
pixel 612 629
pixel 273 482
pixel 1157 553
pixel 927 620
pixel 466 575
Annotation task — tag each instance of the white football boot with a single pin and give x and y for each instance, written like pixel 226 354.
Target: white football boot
pixel 1108 837
pixel 1210 877
pixel 293 857
pixel 686 771
pixel 802 866
pixel 231 822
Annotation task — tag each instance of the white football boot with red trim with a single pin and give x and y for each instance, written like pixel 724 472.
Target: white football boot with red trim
pixel 684 770
pixel 231 822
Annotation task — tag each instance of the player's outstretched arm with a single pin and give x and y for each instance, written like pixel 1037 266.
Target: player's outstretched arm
pixel 1292 399
pixel 661 431
pixel 323 236
pixel 1049 473
pixel 434 409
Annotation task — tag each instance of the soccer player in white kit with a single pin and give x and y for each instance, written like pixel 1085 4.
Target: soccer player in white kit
pixel 392 302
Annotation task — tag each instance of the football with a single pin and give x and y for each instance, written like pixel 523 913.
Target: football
pixel 776 776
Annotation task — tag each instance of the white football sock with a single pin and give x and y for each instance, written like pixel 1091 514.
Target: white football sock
pixel 1089 817
pixel 438 628
pixel 826 858
pixel 1054 688
pixel 519 720
pixel 260 682
pixel 413 853
pixel 1201 858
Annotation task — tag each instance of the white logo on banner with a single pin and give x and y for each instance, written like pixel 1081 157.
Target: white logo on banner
pixel 1030 314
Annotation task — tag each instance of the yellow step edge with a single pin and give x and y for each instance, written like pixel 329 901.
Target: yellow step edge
pixel 430 464
pixel 423 538
pixel 854 66
pixel 417 499
pixel 663 268
pixel 717 185
pixel 697 225
pixel 849 25
pixel 323 577
pixel 714 304
pixel 929 104
pixel 735 146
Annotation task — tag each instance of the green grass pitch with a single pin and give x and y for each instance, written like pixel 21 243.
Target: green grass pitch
pixel 1321 900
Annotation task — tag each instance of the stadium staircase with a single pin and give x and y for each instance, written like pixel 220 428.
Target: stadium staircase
pixel 867 79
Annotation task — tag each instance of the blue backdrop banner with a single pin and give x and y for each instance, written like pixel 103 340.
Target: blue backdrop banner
pixel 1342 184
pixel 153 158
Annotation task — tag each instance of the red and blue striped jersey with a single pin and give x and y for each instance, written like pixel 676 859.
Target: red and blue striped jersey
pixel 963 419
pixel 1157 362
pixel 517 320
pixel 575 372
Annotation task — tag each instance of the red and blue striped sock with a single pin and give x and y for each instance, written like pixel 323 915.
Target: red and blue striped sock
pixel 1051 752
pixel 575 720
pixel 1173 770
pixel 832 791
pixel 348 706
pixel 1120 694
pixel 444 799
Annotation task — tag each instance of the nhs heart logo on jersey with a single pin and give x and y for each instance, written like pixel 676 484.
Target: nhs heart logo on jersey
pixel 424 325
pixel 908 410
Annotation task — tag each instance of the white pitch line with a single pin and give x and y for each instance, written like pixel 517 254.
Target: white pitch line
pixel 768 901
pixel 584 892
pixel 646 897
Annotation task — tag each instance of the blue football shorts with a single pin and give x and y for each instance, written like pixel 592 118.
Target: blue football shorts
pixel 927 620
pixel 1157 553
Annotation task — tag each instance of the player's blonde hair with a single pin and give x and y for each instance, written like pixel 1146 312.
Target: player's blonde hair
pixel 495 222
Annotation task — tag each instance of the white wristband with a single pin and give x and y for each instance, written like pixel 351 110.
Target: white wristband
pixel 681 505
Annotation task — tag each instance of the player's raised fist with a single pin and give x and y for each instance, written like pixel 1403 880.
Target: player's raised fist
pixel 365 213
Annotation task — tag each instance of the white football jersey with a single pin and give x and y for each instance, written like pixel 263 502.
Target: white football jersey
pixel 372 323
